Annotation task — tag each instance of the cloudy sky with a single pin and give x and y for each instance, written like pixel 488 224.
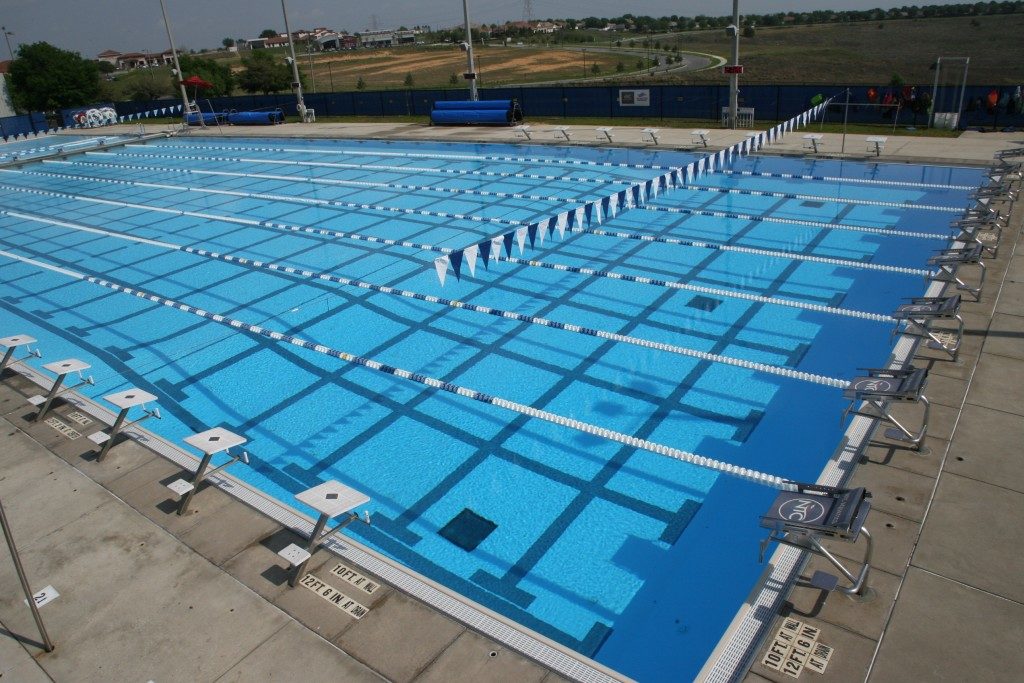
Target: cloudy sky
pixel 91 26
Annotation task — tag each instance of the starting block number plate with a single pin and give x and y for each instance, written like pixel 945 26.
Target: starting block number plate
pixel 355 578
pixel 795 647
pixel 63 428
pixel 80 418
pixel 334 596
pixel 45 596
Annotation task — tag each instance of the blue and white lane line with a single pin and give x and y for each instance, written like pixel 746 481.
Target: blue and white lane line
pixel 820 198
pixel 288 199
pixel 642 237
pixel 840 179
pixel 580 270
pixel 383 167
pixel 790 221
pixel 776 370
pixel 419 155
pixel 499 195
pixel 762 478
pixel 328 181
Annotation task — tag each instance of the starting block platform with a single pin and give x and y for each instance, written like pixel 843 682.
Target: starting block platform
pixel 880 386
pixel 920 312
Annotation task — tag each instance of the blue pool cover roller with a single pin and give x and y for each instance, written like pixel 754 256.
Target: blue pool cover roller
pixel 454 112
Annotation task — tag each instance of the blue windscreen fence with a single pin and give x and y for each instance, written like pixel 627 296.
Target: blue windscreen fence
pixel 989 107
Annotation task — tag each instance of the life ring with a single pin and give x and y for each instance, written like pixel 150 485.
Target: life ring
pixel 80 118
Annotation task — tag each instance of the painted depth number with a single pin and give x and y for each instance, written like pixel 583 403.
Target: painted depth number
pixel 796 647
pixel 334 596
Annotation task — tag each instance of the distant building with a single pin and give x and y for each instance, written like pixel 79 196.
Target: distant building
pixel 381 38
pixel 142 60
pixel 108 56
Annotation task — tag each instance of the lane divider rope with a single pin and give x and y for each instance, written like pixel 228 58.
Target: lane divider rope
pixel 755 476
pixel 792 221
pixel 414 245
pixel 419 155
pixel 839 179
pixel 451 303
pixel 817 198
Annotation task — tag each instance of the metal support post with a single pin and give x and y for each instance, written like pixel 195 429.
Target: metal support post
pixel 471 74
pixel 47 643
pixel 846 115
pixel 314 539
pixel 300 104
pixel 734 79
pixel 113 434
pixel 52 394
pixel 61 368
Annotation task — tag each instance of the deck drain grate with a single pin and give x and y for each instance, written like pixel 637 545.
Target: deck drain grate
pixel 468 530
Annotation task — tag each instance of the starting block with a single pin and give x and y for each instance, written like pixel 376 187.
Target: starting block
pixel 876 143
pixel 210 442
pixel 813 141
pixel 561 133
pixel 522 132
pixel 604 134
pixel 12 343
pixel 702 137
pixel 125 401
pixel 920 312
pixel 649 135
pixel 801 518
pixel 951 260
pixel 60 368
pixel 878 388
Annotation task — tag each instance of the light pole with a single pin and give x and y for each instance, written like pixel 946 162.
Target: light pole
pixel 177 68
pixel 7 37
pixel 300 105
pixel 471 74
pixel 734 77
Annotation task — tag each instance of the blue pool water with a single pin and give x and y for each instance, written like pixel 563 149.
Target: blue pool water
pixel 632 558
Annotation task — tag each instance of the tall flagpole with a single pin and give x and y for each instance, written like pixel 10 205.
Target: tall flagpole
pixel 186 107
pixel 300 104
pixel 471 75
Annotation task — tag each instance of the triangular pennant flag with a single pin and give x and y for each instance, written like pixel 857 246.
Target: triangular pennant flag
pixel 441 266
pixel 456 260
pixel 579 215
pixel 470 254
pixel 163 110
pixel 496 243
pixel 520 234
pixel 701 164
pixel 588 212
pixel 542 228
pixel 606 205
pixel 613 205
pixel 485 252
pixel 689 173
pixel 531 232
pixel 560 222
pixel 649 190
pixel 507 239
pixel 711 164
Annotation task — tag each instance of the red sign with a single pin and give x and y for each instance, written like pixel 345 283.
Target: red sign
pixel 733 69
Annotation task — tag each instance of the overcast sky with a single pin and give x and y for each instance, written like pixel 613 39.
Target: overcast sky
pixel 91 26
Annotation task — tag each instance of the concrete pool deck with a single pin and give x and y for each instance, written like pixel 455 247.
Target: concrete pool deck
pixel 146 595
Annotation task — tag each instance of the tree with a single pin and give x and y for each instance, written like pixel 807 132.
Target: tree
pixel 268 33
pixel 620 67
pixel 409 81
pixel 262 72
pixel 361 84
pixel 211 71
pixel 453 78
pixel 748 31
pixel 228 42
pixel 595 69
pixel 106 67
pixel 44 77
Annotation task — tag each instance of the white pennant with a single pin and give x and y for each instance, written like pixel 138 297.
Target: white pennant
pixel 613 205
pixel 561 222
pixel 580 216
pixel 441 266
pixel 542 228
pixel 597 211
pixel 521 240
pixel 470 254
pixel 496 246
pixel 711 164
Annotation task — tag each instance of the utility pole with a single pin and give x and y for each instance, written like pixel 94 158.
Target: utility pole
pixel 300 104
pixel 471 74
pixel 734 77
pixel 177 70
pixel 7 37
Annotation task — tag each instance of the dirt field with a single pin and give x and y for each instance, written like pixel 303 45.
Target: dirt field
pixel 433 67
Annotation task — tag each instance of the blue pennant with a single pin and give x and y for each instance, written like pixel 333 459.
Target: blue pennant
pixel 485 251
pixel 531 232
pixel 456 260
pixel 507 239
pixel 588 210
pixel 636 195
pixel 606 207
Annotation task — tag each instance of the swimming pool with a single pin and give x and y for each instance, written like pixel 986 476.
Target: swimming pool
pixel 635 559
